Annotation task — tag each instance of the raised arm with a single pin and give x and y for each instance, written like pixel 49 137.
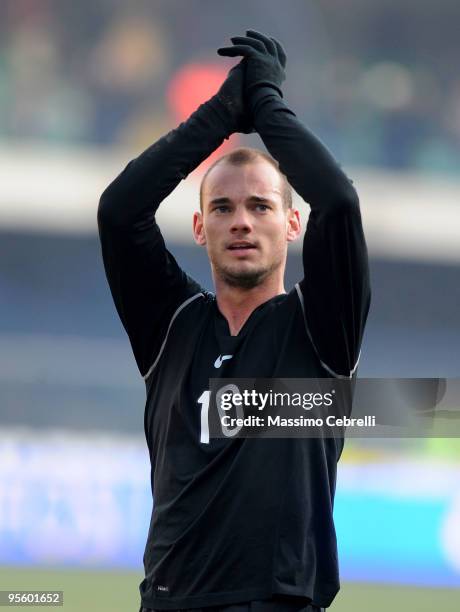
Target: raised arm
pixel 335 290
pixel 146 283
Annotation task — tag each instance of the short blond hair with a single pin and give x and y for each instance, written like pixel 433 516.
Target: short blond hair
pixel 246 155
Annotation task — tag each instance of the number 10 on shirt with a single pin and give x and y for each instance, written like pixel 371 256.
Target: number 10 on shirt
pixel 204 400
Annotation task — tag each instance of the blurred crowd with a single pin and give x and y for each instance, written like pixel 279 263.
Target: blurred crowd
pixel 378 81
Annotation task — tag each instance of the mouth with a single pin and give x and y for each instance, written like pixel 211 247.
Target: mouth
pixel 241 247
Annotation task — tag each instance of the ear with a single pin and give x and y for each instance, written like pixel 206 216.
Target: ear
pixel 198 229
pixel 294 225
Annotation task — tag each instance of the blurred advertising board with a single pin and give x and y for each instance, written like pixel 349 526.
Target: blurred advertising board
pixel 84 500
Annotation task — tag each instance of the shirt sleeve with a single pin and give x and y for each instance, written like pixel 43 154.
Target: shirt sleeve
pixel 335 290
pixel 147 285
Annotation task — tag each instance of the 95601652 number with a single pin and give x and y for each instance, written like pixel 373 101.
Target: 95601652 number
pixel 31 598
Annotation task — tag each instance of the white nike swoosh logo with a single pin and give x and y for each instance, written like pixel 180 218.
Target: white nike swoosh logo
pixel 218 362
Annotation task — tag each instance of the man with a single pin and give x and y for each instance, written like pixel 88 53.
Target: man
pixel 238 521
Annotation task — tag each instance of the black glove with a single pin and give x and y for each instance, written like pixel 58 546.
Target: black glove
pixel 265 57
pixel 231 95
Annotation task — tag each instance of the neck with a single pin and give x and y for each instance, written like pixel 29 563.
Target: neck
pixel 237 303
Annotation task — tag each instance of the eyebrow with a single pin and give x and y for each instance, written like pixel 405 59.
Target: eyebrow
pixel 225 200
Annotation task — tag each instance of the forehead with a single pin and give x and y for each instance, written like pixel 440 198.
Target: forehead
pixel 255 178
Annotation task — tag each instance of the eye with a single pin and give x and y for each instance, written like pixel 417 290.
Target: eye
pixel 262 207
pixel 223 208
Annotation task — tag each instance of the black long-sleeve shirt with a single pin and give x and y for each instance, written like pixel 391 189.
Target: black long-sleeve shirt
pixel 236 519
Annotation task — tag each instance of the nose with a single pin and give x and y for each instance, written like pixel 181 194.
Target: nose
pixel 241 221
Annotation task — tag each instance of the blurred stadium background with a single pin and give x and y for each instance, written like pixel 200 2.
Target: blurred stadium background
pixel 84 87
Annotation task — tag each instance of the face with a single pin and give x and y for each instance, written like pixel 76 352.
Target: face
pixel 244 224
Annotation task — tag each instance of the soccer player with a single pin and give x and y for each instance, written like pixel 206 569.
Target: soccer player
pixel 238 523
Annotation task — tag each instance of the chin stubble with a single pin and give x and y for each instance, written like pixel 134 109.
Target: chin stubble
pixel 246 279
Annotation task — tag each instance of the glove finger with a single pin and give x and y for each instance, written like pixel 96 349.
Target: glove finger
pixel 252 42
pixel 265 40
pixel 281 52
pixel 243 50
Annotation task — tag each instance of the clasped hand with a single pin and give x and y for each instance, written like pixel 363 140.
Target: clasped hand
pixel 263 64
